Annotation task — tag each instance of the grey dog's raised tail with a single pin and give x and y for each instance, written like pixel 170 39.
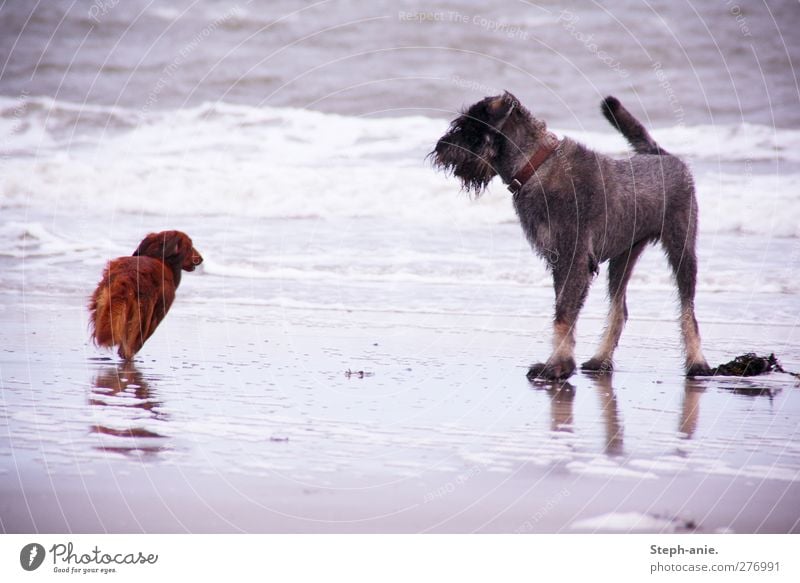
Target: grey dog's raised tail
pixel 630 127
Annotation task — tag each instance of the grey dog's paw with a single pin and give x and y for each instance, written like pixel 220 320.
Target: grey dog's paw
pixel 602 365
pixel 699 369
pixel 552 370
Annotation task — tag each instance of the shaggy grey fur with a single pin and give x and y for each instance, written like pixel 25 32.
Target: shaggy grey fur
pixel 582 208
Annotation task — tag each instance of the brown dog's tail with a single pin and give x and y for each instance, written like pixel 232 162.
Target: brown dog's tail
pixel 631 128
pixel 115 319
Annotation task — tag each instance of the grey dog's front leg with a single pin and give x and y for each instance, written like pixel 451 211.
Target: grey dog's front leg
pixel 571 286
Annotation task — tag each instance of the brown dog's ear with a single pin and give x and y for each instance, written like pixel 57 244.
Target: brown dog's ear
pixel 172 245
pixel 179 251
pixel 150 246
pixel 177 246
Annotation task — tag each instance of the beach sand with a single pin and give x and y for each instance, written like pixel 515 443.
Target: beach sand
pixel 241 418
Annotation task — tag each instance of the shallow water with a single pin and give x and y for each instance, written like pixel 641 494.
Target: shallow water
pixel 244 417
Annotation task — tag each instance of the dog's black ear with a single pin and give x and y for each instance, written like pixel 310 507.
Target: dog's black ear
pixel 510 98
pixel 500 108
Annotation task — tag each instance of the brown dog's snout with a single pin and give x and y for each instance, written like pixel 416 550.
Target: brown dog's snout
pixel 191 261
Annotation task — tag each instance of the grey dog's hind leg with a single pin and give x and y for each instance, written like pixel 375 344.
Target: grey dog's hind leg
pixel 620 269
pixel 679 244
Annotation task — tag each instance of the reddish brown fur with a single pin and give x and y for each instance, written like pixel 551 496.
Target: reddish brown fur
pixel 136 292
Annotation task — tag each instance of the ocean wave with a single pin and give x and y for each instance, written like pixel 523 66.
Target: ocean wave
pixel 33 240
pixel 328 132
pixel 238 160
pixel 652 274
pixel 743 142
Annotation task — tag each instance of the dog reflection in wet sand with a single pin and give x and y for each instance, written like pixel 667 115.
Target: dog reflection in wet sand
pixel 124 390
pixel 562 398
pixel 124 386
pixel 136 292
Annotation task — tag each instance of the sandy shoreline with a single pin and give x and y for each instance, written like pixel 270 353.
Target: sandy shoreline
pixel 246 421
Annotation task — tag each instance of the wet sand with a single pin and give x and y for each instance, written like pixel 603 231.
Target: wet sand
pixel 243 418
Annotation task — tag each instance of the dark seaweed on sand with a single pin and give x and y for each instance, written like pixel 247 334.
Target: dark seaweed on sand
pixel 749 365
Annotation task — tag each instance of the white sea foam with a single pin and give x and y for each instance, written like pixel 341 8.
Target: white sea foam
pixel 604 467
pixel 288 163
pixel 32 239
pixel 172 168
pixel 729 143
pixel 337 266
pixel 625 522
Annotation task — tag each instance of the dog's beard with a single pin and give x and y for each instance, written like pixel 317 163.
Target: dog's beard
pixel 473 168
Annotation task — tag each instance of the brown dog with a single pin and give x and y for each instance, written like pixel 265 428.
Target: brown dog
pixel 136 292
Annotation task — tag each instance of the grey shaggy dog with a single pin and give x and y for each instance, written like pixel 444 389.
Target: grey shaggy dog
pixel 581 208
